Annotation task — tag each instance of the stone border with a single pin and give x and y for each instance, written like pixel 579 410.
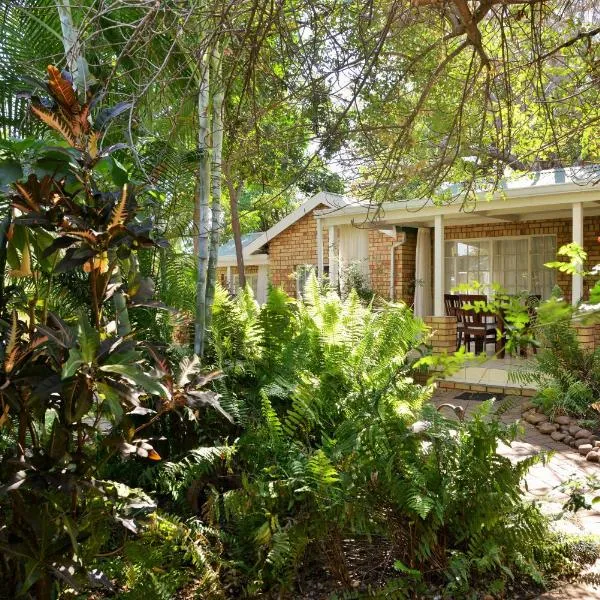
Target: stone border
pixel 444 384
pixel 564 429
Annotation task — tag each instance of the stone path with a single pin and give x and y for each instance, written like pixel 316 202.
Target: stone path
pixel 543 481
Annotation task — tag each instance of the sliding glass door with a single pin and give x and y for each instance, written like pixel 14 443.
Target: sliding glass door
pixel 467 262
pixel 511 265
pixel 516 264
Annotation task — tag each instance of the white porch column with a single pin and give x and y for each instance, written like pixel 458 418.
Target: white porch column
pixel 229 284
pixel 319 249
pixel 262 283
pixel 333 258
pixel 438 266
pixel 577 289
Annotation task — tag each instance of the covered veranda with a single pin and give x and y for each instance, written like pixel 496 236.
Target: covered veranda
pixel 504 238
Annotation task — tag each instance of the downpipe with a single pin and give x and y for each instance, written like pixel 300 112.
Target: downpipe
pixel 393 267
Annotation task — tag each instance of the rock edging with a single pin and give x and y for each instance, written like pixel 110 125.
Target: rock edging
pixel 564 429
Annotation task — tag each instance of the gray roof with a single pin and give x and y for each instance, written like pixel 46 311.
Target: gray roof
pixel 583 175
pixel 228 248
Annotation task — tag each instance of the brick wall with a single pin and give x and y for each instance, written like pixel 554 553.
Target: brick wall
pixel 380 246
pixel 297 245
pixel 586 334
pixel 562 228
pixel 443 334
pixel 591 231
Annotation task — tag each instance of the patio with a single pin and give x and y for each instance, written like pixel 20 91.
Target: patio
pixel 491 375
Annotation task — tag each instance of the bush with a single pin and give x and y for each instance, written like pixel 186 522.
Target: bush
pixel 353 278
pixel 566 374
pixel 168 556
pixel 338 443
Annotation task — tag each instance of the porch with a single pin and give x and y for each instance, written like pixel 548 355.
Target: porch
pixel 489 376
pixel 418 250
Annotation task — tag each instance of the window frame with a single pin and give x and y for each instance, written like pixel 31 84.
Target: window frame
pixel 308 268
pixel 235 282
pixel 492 254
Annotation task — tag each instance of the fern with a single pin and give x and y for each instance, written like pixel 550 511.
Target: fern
pixel 327 448
pixel 175 477
pixel 170 555
pixel 566 375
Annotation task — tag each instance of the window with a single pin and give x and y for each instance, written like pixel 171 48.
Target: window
pixel 467 262
pixel 511 265
pixel 543 279
pixel 516 264
pixel 251 280
pixel 303 272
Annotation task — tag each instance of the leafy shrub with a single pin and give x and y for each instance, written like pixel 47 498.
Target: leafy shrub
pixel 338 442
pixel 566 374
pixel 169 555
pixel 353 277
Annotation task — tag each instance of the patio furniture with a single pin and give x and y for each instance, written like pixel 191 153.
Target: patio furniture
pixel 452 304
pixel 478 324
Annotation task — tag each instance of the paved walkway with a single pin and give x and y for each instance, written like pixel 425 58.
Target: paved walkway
pixel 492 372
pixel 543 481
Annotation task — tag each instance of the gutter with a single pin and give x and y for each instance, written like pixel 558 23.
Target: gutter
pixel 393 267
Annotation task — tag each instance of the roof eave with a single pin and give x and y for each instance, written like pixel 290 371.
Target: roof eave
pixel 252 260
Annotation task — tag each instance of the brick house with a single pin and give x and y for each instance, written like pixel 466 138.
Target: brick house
pixel 416 251
pixel 284 255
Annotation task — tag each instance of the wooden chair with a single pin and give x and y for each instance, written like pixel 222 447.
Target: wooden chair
pixel 531 302
pixel 477 324
pixel 452 304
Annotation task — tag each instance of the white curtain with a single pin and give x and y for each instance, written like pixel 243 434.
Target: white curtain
pixel 423 273
pixel 353 250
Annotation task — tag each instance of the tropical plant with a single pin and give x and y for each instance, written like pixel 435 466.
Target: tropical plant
pixel 74 392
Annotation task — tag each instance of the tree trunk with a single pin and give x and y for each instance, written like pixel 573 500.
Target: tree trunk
pixel 201 205
pixel 196 221
pixel 217 152
pixel 234 193
pixel 4 225
pixel 76 62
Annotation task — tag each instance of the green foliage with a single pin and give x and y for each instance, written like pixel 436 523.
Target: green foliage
pixel 576 256
pixel 177 478
pixel 581 494
pixel 566 374
pixel 168 556
pixel 353 277
pixel 339 442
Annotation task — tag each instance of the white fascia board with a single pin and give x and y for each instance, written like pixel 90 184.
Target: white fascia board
pixel 305 208
pixel 519 200
pixel 249 261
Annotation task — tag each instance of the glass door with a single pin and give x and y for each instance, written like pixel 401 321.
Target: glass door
pixel 511 265
pixel 517 265
pixel 468 262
